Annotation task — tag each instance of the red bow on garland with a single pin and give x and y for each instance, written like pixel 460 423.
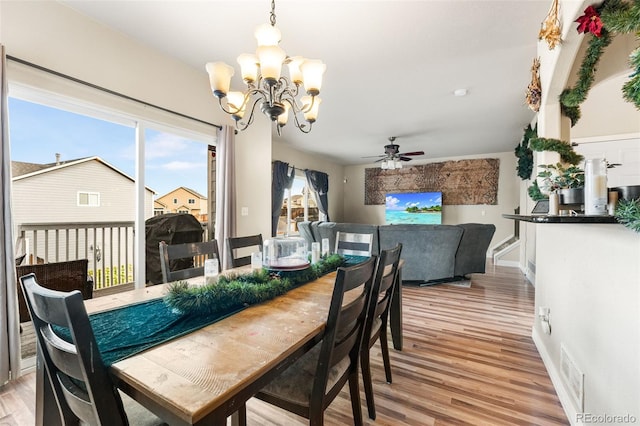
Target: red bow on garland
pixel 590 22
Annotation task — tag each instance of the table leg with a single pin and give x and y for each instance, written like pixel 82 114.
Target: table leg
pixel 395 312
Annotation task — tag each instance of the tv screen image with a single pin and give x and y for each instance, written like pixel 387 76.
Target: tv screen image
pixel 414 207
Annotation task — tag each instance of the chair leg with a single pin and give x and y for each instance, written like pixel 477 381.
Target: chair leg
pixel 366 379
pixel 354 389
pixel 384 346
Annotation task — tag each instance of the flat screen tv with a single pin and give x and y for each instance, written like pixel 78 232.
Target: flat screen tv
pixel 414 207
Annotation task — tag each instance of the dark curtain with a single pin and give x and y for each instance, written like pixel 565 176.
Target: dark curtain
pixel 282 179
pixel 319 182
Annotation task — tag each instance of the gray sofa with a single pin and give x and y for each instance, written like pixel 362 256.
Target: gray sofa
pixel 431 253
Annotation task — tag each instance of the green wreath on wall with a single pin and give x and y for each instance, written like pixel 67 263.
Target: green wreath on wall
pixel 612 16
pixel 524 154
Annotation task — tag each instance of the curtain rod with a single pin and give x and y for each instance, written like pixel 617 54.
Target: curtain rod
pixel 109 91
pixel 299 169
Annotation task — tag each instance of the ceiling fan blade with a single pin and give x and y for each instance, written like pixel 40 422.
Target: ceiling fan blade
pixel 382 159
pixel 375 156
pixel 412 153
pixel 406 158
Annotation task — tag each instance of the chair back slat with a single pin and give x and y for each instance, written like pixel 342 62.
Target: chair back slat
pixel 352 244
pixel 182 261
pixel 80 381
pixel 344 328
pixel 234 243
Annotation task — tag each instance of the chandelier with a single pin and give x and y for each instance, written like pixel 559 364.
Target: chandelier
pixel 276 94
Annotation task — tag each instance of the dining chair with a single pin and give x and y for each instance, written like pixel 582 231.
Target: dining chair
pixel 80 381
pixel 234 243
pixel 352 244
pixel 182 261
pixel 309 385
pixel 375 327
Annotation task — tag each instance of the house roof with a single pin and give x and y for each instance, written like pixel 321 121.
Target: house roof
pixel 22 170
pixel 194 192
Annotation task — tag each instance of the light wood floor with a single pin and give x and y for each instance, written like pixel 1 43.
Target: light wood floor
pixel 468 358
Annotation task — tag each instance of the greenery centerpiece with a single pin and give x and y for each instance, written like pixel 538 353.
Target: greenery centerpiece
pixel 235 291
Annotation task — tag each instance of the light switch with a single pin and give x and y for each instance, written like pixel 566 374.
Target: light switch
pixel 244 211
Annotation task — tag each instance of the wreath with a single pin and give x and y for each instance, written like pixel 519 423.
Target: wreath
pixel 613 16
pixel 524 154
pixel 628 214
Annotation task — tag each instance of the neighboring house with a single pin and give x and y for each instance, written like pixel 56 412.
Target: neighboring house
pixel 183 200
pixel 81 190
pixel 82 208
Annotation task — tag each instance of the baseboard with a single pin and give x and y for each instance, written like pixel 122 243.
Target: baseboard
pixel 556 380
pixel 510 263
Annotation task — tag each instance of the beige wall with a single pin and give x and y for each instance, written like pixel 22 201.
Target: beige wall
pixel 508 192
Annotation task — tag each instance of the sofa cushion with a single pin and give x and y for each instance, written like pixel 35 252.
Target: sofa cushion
pixel 428 250
pixel 305 232
pixel 472 252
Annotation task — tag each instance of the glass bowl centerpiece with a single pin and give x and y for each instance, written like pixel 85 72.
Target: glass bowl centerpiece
pixel 285 254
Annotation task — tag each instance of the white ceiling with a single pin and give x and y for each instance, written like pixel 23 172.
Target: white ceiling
pixel 392 66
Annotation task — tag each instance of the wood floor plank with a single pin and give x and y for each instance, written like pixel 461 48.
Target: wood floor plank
pixel 468 359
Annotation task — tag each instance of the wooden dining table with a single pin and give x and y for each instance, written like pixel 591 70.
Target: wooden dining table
pixel 205 376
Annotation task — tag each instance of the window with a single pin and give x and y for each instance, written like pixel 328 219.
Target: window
pixel 183 211
pixel 90 199
pixel 191 201
pixel 303 207
pixel 175 201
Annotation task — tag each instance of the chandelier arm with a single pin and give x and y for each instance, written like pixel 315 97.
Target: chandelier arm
pixel 251 116
pixel 300 125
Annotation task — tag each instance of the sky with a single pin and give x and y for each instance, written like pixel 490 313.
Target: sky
pixel 413 199
pixel 38 132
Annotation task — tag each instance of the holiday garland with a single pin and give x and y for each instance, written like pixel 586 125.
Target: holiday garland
pixel 628 214
pixel 567 154
pixel 525 154
pixel 238 290
pixel 612 16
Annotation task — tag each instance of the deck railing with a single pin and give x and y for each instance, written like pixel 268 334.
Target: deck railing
pixel 109 247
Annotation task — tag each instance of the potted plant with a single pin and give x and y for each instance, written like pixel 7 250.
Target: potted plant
pixel 566 181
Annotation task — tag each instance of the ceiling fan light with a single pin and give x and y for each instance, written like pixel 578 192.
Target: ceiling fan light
pixel 267 35
pixel 391 164
pixel 384 165
pixel 398 164
pixel 248 67
pixel 220 78
pixel 270 58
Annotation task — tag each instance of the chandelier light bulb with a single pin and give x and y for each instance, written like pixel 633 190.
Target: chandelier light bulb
pixel 267 35
pixel 220 78
pixel 310 106
pixel 312 71
pixel 236 103
pixel 248 67
pixel 271 59
pixel 295 74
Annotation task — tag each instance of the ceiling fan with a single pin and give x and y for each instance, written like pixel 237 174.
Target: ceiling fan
pixel 391 159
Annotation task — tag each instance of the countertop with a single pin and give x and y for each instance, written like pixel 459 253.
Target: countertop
pixel 561 219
